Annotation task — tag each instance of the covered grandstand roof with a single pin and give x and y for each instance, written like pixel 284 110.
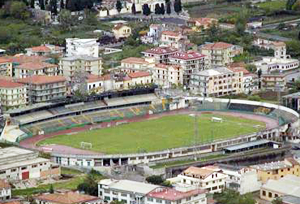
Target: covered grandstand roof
pixel 248 145
pixel 131 99
pixel 28 108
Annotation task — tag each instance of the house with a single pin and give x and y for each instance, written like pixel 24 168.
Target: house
pixel 80 47
pixel 165 195
pixel 174 39
pixel 6 67
pixel 167 75
pixel 153 35
pixel 125 191
pixel 45 88
pixel 241 179
pixel 200 24
pixel 76 65
pixel 160 54
pixel 121 31
pixel 36 68
pixel 22 164
pixel 209 178
pixel 5 190
pixel 189 61
pixel 287 185
pixel 277 170
pixel 67 198
pixel 12 94
pixel 98 84
pixel 219 53
pixel 217 82
pixel 44 50
pixel 140 78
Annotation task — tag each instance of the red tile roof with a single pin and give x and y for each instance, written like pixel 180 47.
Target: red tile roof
pixel 138 74
pixel 24 58
pixel 217 45
pixel 165 66
pixel 5 83
pixel 42 79
pixel 67 198
pixel 171 33
pixel 4 184
pixel 4 60
pixel 172 194
pixel 189 55
pixel 161 50
pixel 41 48
pixel 35 65
pixel 134 60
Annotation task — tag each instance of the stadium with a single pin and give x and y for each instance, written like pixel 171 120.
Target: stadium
pixel 144 126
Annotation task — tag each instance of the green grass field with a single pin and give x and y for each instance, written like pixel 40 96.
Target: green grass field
pixel 158 134
pixel 273 5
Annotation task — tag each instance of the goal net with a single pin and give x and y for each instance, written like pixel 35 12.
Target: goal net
pixel 86 145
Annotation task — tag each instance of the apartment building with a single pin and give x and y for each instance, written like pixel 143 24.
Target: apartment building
pixel 36 68
pixel 6 66
pixel 189 61
pixel 288 185
pixel 167 75
pixel 22 164
pixel 160 54
pixel 134 63
pixel 12 94
pixel 76 65
pixel 277 170
pixel 219 53
pixel 44 88
pixel 121 31
pixel 273 82
pixel 126 191
pixel 217 82
pixel 68 197
pixel 162 195
pixel 209 178
pixel 78 47
pixel 5 190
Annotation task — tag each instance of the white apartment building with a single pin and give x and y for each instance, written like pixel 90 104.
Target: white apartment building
pixel 129 192
pixel 241 179
pixel 23 164
pixel 135 63
pixel 70 66
pixel 167 75
pixel 163 195
pixel 189 61
pixel 219 53
pixel 5 190
pixel 36 68
pixel 173 39
pixel 12 94
pixel 209 178
pixel 217 82
pixel 160 54
pixel 78 47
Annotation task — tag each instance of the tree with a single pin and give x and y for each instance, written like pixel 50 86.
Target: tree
pixel 157 9
pixel 177 6
pixel 290 3
pixel 18 9
pixel 241 22
pixel 162 9
pixel 65 19
pixel 156 180
pixel 133 9
pixel 277 201
pixel 89 184
pixel 42 4
pixel 119 6
pixel 233 197
pixel 51 189
pixel 251 68
pixel 32 3
pixel 146 10
pixel 62 5
pixel 53 7
pixel 169 8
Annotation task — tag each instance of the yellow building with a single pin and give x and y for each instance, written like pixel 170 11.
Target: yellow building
pixel 121 31
pixel 5 67
pixel 277 170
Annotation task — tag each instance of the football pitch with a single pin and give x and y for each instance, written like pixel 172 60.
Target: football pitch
pixel 159 133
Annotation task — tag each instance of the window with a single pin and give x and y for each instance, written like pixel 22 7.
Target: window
pixel 264 193
pixel 150 199
pixel 270 195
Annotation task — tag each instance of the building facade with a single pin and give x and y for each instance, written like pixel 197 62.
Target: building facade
pixel 36 68
pixel 121 31
pixel 160 54
pixel 78 47
pixel 5 190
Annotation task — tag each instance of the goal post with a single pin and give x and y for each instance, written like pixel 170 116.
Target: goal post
pixel 86 145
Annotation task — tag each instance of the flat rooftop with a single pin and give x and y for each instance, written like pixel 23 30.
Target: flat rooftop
pixel 272 166
pixel 23 163
pixel 247 145
pixel 13 152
